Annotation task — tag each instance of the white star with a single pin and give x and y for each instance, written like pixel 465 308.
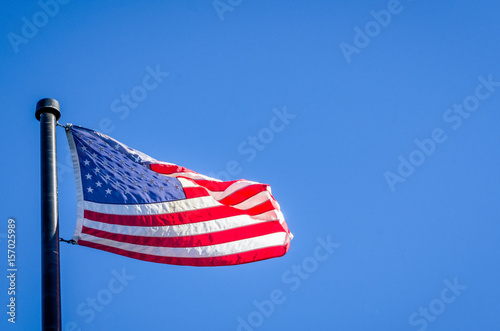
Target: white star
pixel 108 191
pixel 90 190
pixel 99 184
pixel 87 162
pixel 107 177
pixel 117 146
pixel 96 170
pixel 84 148
pixel 94 155
pixel 137 159
pixel 89 176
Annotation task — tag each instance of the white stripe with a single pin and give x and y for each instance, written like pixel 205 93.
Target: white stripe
pixel 219 195
pixel 252 201
pixel 192 175
pixel 152 208
pixel 177 230
pixel 235 247
pixel 171 206
pixel 187 183
pixel 269 215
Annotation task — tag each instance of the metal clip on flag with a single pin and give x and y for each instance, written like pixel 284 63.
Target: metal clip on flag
pixel 133 205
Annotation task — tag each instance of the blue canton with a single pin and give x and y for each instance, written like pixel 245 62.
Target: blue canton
pixel 114 173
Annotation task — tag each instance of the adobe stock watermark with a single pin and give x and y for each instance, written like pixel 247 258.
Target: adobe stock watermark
pixel 293 279
pixel 31 27
pixel 91 306
pixel 253 144
pixel 121 106
pixel 222 6
pixel 453 116
pixel 363 37
pixel 436 307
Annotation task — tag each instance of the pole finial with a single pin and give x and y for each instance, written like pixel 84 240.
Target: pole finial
pixel 47 105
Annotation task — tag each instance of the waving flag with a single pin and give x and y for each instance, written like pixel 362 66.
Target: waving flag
pixel 133 205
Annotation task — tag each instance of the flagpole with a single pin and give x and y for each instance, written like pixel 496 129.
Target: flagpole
pixel 47 112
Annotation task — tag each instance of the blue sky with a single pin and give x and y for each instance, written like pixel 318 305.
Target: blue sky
pixel 385 163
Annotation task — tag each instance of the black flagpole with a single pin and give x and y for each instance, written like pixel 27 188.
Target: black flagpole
pixel 47 112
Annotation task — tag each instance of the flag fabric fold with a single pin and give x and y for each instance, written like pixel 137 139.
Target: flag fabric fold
pixel 133 205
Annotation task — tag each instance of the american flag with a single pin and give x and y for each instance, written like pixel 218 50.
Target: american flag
pixel 133 205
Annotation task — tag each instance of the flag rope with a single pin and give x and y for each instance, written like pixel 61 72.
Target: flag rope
pixel 71 241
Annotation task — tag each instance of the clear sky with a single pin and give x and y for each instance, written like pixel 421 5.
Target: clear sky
pixel 374 122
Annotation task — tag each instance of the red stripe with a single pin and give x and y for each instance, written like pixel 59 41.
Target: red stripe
pixel 214 238
pixel 167 169
pixel 186 217
pixel 195 192
pixel 245 257
pixel 262 208
pixel 232 199
pixel 243 194
pixel 215 186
